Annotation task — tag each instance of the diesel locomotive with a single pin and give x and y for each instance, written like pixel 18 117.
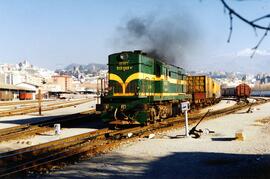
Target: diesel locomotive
pixel 142 89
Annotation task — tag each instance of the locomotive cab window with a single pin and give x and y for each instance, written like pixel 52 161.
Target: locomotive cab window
pixel 158 71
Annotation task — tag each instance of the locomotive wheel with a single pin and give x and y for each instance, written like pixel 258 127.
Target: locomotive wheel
pixel 153 115
pixel 163 113
pixel 114 127
pixel 147 123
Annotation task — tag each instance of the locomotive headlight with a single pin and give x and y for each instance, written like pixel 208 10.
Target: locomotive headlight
pixel 106 106
pixel 123 56
pixel 123 106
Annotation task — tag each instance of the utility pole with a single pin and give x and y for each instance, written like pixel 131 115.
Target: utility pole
pixel 39 102
pixel 97 91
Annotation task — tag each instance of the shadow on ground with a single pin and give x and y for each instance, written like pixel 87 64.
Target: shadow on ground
pixel 83 121
pixel 175 165
pixel 28 120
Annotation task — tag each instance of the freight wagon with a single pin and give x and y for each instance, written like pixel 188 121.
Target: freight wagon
pixel 261 90
pixel 242 91
pixel 228 92
pixel 204 90
pixel 260 93
pixel 25 96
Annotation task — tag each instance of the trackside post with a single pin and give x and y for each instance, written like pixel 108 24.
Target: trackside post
pixel 185 106
pixel 39 102
pixel 186 123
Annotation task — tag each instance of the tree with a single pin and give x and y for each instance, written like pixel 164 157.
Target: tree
pixel 253 23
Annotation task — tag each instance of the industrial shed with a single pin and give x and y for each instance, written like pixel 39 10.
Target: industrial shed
pixel 11 92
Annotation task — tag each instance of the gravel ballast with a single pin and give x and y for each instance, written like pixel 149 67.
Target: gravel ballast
pixel 171 155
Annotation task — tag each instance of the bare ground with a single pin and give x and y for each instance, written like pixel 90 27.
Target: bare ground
pixel 170 155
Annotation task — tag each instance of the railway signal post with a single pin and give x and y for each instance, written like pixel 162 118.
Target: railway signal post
pixel 39 102
pixel 185 106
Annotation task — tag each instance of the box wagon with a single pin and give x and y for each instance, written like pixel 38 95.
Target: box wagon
pixel 243 91
pixel 204 90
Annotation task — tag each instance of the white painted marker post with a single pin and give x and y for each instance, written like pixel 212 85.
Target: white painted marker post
pixel 185 106
pixel 57 129
pixel 186 123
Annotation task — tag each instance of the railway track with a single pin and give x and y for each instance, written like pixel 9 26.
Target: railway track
pixel 26 130
pixel 9 103
pixel 30 104
pixel 47 156
pixel 35 108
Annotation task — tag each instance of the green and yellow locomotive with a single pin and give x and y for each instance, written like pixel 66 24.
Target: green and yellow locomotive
pixel 141 89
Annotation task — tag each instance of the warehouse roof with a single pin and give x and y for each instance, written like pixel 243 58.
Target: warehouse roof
pixel 13 87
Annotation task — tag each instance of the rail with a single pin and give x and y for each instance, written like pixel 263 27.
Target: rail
pixel 35 108
pixel 31 129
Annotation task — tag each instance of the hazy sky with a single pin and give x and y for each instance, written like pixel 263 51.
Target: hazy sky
pixel 55 33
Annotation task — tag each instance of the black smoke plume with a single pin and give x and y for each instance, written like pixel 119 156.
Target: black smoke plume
pixel 169 39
